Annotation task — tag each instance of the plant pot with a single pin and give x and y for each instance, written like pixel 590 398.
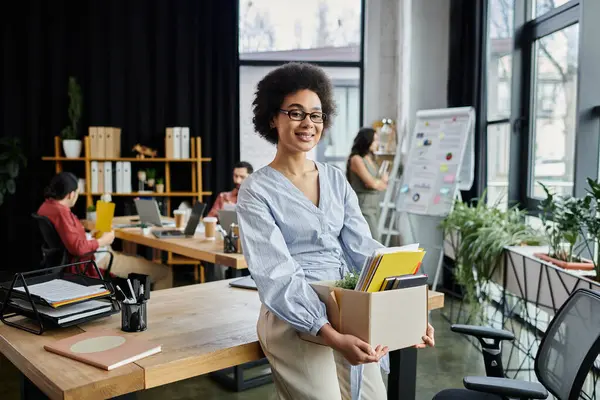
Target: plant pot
pixel 586 265
pixel 90 215
pixel 72 148
pixel 150 182
pixel 160 187
pixel 146 231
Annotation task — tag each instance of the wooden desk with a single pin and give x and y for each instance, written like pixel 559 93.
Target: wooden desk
pixel 196 337
pixel 198 247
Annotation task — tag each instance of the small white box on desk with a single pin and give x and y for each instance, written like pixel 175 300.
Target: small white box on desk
pixel 394 318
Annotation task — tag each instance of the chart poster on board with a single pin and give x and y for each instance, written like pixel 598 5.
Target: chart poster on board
pixel 435 161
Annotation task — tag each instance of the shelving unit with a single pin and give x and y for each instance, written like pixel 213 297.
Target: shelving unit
pixel 195 161
pixel 197 193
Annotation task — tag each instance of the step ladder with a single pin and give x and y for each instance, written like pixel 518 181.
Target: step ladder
pixel 388 218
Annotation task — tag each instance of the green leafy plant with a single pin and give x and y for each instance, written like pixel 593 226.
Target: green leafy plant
pixel 160 181
pixel 91 208
pixel 590 216
pixel 478 234
pixel 563 218
pixel 75 104
pixel 11 161
pixel 150 173
pixel 349 281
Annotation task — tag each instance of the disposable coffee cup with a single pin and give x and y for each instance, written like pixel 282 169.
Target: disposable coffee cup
pixel 179 218
pixel 210 227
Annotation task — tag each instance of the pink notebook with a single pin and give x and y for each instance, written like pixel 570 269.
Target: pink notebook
pixel 105 349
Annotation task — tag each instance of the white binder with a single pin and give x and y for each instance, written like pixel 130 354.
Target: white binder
pixel 119 176
pixel 108 177
pixel 177 142
pixel 126 176
pixel 185 142
pixel 94 181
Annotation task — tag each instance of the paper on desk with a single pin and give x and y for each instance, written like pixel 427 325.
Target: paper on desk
pixel 71 312
pixel 58 290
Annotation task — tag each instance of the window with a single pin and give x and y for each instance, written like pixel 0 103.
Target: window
pixel 498 87
pixel 544 6
pixel 310 30
pixel 327 33
pixel 554 111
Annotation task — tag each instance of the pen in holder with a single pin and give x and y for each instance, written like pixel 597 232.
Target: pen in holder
pixel 134 316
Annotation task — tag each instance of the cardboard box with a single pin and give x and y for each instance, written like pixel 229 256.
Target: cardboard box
pixel 394 318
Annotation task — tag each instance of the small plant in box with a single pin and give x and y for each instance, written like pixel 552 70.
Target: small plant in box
pixel 563 218
pixel 591 221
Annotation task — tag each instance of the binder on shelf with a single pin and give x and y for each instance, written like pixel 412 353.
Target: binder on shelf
pixel 112 138
pixel 169 143
pixel 94 180
pixel 126 179
pixel 93 133
pixel 185 142
pixel 100 177
pixel 101 149
pixel 119 176
pixel 57 297
pixel 177 142
pixel 108 177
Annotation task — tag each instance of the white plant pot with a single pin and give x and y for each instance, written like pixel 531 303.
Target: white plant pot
pixel 91 215
pixel 146 231
pixel 72 148
pixel 160 188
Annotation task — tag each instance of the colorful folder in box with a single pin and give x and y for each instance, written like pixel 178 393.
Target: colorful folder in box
pixel 105 211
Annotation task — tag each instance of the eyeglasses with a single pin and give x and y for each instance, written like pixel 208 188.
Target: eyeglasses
pixel 298 115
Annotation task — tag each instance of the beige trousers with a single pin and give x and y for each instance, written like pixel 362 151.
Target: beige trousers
pixel 123 264
pixel 305 370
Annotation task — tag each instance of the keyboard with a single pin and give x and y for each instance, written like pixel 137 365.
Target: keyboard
pixel 168 233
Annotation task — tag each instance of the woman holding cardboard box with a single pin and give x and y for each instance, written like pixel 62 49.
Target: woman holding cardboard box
pixel 299 223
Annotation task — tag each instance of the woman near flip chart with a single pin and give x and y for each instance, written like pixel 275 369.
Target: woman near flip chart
pixel 300 222
pixel 362 173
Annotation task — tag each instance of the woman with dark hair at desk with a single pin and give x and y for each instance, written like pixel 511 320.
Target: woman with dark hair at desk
pixel 61 195
pixel 362 173
pixel 300 223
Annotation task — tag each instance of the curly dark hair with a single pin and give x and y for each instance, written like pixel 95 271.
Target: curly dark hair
pixel 361 146
pixel 283 81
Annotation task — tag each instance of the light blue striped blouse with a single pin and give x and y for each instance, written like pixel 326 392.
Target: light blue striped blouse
pixel 289 242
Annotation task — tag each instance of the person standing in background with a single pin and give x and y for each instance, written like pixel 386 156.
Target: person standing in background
pixel 362 173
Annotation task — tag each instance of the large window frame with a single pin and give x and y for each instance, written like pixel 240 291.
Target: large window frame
pixel 360 64
pixel 587 122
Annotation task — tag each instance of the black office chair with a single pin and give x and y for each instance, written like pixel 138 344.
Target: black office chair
pixel 54 251
pixel 566 354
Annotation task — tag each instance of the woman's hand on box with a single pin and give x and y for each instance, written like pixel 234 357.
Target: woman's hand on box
pixel 352 348
pixel 428 339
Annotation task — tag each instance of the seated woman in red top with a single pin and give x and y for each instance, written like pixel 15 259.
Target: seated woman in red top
pixel 61 195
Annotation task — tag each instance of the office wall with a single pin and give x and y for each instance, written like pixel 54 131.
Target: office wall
pixel 426 89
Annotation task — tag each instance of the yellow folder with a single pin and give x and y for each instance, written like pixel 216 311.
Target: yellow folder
pixel 105 211
pixel 394 264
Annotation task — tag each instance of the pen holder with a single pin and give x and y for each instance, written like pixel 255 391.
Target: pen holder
pixel 134 316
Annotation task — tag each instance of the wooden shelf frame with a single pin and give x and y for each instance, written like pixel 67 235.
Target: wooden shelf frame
pixel 196 161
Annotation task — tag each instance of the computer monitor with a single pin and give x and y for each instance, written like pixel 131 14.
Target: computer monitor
pixel 149 212
pixel 226 218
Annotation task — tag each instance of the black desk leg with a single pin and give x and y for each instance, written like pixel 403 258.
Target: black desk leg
pixel 402 380
pixel 31 392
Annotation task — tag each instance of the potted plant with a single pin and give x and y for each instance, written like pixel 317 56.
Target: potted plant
pixel 90 214
pixel 150 176
pixel 563 218
pixel 70 141
pixel 160 185
pixel 478 234
pixel 145 228
pixel 11 160
pixel 590 206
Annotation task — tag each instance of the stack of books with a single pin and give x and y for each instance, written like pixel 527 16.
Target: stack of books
pixel 388 267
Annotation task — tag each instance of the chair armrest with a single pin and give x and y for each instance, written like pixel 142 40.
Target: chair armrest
pixel 483 332
pixel 506 387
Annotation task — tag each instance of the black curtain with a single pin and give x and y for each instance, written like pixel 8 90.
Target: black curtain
pixel 143 65
pixel 466 71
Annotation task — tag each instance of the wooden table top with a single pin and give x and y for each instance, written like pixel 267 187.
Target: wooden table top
pixel 202 328
pixel 197 247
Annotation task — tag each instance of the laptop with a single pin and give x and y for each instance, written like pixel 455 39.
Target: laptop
pixel 226 218
pixel 246 282
pixel 190 228
pixel 149 213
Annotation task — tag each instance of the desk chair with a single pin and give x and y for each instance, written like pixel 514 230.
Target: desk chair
pixel 54 251
pixel 565 356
